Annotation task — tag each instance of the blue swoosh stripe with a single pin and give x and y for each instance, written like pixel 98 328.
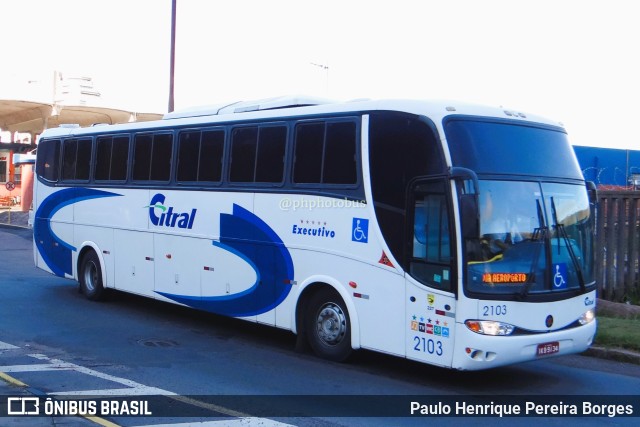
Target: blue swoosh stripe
pixel 55 252
pixel 250 238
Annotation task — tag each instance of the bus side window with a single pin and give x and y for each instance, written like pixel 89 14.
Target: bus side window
pixel 69 152
pixel 211 152
pixel 76 159
pixel 340 154
pixel 325 153
pixel 200 156
pixel 119 158
pixel 244 142
pixel 401 148
pixel 103 157
pixel 188 152
pixel 309 147
pixel 83 159
pixel 48 160
pixel 142 157
pixel 257 154
pixel 112 158
pixel 431 248
pixel 161 157
pixel 270 157
pixel 152 157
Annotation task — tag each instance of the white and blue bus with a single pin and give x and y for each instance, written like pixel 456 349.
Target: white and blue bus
pixel 451 234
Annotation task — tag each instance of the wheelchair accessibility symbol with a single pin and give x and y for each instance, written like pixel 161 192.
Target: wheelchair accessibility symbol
pixel 360 230
pixel 560 276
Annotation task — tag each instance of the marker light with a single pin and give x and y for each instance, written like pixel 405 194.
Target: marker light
pixel 489 327
pixel 587 317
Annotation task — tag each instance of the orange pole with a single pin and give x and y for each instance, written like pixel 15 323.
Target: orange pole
pixel 26 188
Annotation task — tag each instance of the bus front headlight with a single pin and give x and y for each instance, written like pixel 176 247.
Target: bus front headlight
pixel 587 317
pixel 489 327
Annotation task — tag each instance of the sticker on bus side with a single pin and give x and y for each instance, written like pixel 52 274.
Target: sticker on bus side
pixel 360 230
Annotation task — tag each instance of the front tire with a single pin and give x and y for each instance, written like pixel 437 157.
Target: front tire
pixel 328 326
pixel 90 277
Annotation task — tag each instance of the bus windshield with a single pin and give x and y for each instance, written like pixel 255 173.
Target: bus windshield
pixel 497 147
pixel 534 238
pixel 535 235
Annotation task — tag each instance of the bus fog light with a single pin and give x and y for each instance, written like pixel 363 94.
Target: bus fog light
pixel 489 327
pixel 587 317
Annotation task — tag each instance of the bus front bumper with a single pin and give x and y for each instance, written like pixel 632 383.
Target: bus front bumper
pixel 475 351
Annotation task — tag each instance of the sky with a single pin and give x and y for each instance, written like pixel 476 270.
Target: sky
pixel 572 61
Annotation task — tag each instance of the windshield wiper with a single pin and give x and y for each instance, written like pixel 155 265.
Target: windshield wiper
pixel 540 233
pixel 562 232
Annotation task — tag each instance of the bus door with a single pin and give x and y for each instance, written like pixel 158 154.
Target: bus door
pixel 430 278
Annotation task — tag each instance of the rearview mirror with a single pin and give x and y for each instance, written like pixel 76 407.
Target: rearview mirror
pixel 469 216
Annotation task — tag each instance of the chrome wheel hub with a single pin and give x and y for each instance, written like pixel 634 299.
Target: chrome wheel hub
pixel 331 324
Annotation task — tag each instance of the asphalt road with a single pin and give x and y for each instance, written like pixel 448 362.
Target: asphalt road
pixel 222 370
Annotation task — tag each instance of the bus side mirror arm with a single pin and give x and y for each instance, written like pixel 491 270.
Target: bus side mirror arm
pixel 593 192
pixel 468 200
pixel 464 174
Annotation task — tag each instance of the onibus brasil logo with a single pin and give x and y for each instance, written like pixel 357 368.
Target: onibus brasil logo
pixel 164 216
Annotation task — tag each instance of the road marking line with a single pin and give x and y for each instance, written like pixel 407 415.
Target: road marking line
pixel 81 369
pixel 7 346
pixel 100 421
pixel 129 391
pixel 133 389
pixel 11 380
pixel 242 422
pixel 210 406
pixel 38 368
pixel 92 418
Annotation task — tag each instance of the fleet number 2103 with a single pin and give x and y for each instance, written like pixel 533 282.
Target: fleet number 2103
pixel 427 346
pixel 494 310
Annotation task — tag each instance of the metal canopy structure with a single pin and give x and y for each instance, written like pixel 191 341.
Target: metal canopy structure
pixel 34 117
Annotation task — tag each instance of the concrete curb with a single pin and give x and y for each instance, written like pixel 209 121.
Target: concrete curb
pixel 22 227
pixel 19 219
pixel 617 354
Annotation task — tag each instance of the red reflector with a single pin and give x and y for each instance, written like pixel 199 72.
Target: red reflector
pixel 353 285
pixel 384 260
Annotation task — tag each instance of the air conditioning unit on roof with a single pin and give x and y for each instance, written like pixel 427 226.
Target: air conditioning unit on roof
pixel 279 102
pixel 247 106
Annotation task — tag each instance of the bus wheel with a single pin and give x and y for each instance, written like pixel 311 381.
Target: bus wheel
pixel 91 277
pixel 328 326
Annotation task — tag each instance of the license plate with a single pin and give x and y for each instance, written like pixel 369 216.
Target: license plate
pixel 548 348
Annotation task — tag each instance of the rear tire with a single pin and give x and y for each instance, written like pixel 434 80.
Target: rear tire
pixel 328 327
pixel 90 277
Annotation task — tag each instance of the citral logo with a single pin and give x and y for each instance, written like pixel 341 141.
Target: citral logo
pixel 169 218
